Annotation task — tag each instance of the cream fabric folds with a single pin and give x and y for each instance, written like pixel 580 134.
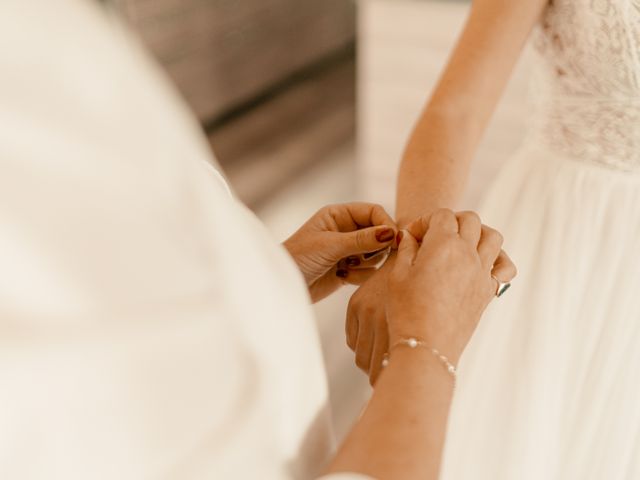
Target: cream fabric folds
pixel 549 387
pixel 149 327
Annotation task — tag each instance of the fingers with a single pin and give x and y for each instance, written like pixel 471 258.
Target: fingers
pixel 407 251
pixel 380 349
pixel 443 220
pixel 340 275
pixel 351 328
pixel 504 269
pixel 364 344
pixel 469 227
pixel 361 241
pixel 419 227
pixel 489 246
pixel 365 313
pixel 353 216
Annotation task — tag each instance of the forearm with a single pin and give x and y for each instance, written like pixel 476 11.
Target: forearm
pixel 401 433
pixel 437 158
pixel 435 164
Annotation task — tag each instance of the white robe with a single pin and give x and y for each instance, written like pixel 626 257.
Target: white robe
pixel 149 327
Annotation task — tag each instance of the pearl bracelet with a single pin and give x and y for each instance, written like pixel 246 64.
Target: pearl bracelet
pixel 415 343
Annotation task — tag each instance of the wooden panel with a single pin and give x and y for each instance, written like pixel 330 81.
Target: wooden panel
pixel 222 52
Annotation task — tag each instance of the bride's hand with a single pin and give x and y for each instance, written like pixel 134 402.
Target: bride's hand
pixel 366 326
pixel 438 290
pixel 327 248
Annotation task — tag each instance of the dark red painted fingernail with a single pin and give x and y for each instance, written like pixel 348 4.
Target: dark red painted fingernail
pixel 353 261
pixel 399 237
pixel 385 235
pixel 341 273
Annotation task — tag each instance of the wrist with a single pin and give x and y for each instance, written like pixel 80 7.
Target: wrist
pixel 416 344
pixel 420 361
pixel 443 335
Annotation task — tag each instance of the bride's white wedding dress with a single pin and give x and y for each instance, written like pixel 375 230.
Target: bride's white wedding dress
pixel 550 385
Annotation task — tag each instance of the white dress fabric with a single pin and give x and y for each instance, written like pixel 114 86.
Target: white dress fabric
pixel 550 384
pixel 149 327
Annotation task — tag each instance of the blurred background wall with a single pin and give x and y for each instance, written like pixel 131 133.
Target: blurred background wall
pixel 309 102
pixel 270 80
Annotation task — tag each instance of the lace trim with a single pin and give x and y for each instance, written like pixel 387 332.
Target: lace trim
pixel 587 79
pixel 607 136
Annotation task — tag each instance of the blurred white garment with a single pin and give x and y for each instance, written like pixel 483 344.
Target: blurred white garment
pixel 149 327
pixel 549 387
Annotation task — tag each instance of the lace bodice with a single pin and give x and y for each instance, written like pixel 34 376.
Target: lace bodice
pixel 587 81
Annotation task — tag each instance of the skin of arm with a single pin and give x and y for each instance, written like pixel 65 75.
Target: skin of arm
pixel 436 161
pixel 400 435
pixel 437 292
pixel 437 158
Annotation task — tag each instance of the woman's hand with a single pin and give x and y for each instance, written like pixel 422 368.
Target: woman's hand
pixel 328 248
pixel 366 326
pixel 437 291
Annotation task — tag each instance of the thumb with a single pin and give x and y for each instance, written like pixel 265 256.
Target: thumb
pixel 407 250
pixel 365 240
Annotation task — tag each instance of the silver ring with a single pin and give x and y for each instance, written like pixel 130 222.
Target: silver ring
pixel 502 287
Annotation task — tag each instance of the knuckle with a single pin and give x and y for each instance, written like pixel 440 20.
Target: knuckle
pixel 333 210
pixel 487 231
pixel 376 207
pixel 442 213
pixel 471 215
pixel 378 211
pixel 326 210
pixel 493 236
pixel 419 227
